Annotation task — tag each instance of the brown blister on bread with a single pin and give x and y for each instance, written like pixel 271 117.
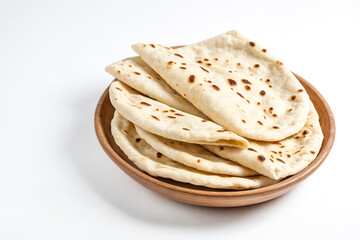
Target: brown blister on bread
pixel 216 87
pixel 204 69
pixel 154 117
pixel 145 103
pixel 178 55
pixel 246 81
pixel 191 78
pixel 232 82
pixel 251 149
pixel 261 158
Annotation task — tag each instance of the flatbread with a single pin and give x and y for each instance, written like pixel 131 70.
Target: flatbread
pixel 236 83
pixel 279 159
pixel 193 155
pixel 168 122
pixel 154 163
pixel 135 73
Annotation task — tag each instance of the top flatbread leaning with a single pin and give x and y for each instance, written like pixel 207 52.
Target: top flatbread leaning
pixel 236 83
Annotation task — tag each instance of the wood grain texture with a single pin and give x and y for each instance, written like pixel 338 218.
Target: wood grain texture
pixel 203 196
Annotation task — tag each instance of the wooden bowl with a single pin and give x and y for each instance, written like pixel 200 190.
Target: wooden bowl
pixel 203 196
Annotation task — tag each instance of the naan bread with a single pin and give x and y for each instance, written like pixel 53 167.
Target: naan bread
pixel 279 159
pixel 168 122
pixel 194 155
pixel 236 83
pixel 135 73
pixel 153 162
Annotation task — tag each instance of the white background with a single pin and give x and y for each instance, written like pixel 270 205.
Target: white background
pixel 57 183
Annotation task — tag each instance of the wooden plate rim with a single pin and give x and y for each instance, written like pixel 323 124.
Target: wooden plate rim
pixel 324 151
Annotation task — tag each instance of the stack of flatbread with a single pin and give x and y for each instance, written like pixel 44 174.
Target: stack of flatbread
pixel 222 113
